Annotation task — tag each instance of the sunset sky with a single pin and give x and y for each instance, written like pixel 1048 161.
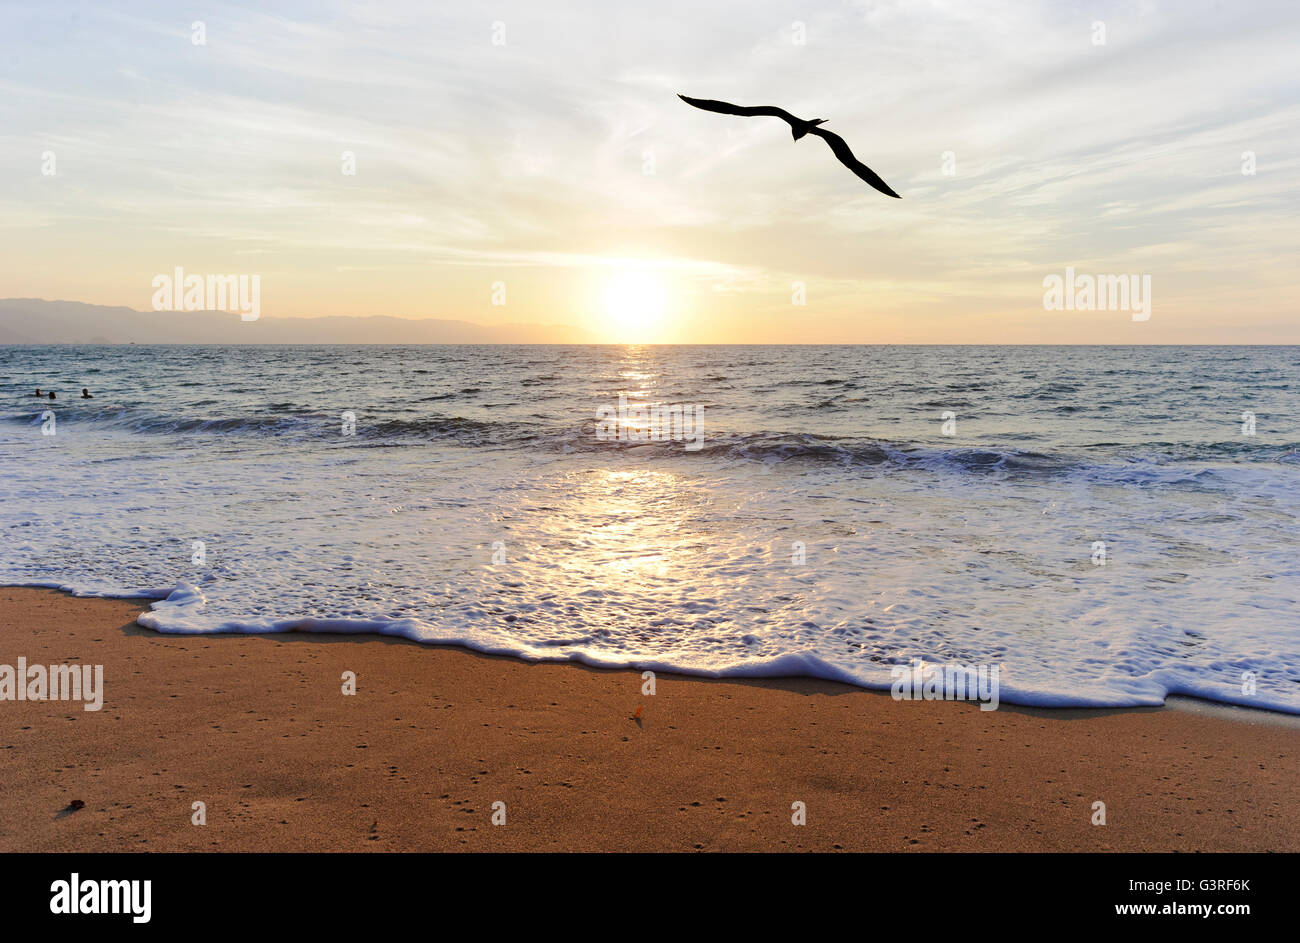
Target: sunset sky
pixel 557 160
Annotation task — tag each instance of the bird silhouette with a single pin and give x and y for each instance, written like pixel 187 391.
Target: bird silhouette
pixel 798 128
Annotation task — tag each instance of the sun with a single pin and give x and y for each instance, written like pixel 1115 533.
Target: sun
pixel 634 306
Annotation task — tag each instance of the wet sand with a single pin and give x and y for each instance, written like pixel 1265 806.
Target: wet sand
pixel 258 730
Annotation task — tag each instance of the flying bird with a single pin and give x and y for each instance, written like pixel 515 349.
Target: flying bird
pixel 798 128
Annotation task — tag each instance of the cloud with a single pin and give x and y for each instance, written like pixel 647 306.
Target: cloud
pixel 566 146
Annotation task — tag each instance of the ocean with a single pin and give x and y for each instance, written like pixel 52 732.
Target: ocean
pixel 1106 525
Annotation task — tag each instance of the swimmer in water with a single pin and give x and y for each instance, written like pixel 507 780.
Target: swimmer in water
pixel 38 392
pixel 85 393
pixel 52 394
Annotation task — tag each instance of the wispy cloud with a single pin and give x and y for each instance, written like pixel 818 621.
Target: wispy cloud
pixel 561 148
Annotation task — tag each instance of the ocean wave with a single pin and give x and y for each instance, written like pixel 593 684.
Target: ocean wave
pixel 295 424
pixel 181 612
pixel 832 542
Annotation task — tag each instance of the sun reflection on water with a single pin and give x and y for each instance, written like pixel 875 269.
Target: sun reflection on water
pixel 637 525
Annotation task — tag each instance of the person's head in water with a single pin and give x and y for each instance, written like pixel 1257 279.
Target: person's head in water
pixel 38 392
pixel 85 393
pixel 51 394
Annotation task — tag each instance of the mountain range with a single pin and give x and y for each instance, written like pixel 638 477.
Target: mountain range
pixel 36 321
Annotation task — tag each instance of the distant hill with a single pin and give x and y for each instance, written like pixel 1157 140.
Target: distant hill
pixel 36 321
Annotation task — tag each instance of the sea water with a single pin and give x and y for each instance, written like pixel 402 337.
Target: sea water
pixel 1104 525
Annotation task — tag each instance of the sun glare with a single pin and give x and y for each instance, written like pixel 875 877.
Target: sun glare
pixel 634 306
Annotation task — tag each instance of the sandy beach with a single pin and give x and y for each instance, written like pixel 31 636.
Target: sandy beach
pixel 258 729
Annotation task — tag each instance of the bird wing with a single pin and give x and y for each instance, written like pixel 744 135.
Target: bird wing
pixel 726 108
pixel 841 150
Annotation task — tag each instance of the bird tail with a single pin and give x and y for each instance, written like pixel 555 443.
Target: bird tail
pixel 804 128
